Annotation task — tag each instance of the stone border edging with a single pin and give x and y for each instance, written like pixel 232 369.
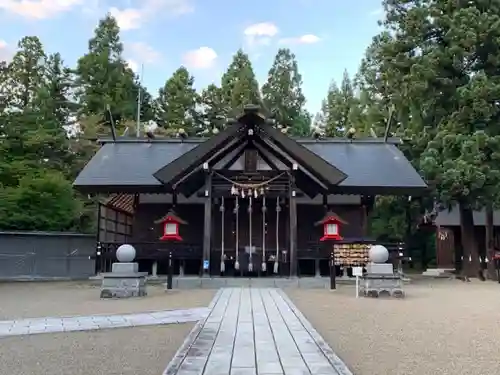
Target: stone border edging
pixel 181 353
pixel 335 360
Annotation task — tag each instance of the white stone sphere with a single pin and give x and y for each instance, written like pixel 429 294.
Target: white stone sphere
pixel 125 253
pixel 378 254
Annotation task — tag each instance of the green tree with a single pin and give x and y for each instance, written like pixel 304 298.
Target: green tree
pixel 176 104
pixel 104 80
pixel 239 85
pixel 214 113
pixel 25 74
pixel 35 158
pixel 438 65
pixel 341 109
pixel 282 94
pixel 41 201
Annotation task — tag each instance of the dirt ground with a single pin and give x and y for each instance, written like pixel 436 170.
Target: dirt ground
pixel 442 327
pixel 127 351
pixel 32 299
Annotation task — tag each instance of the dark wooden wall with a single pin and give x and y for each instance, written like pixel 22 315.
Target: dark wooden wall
pixel 308 215
pixel 144 229
pixel 114 225
pixel 244 225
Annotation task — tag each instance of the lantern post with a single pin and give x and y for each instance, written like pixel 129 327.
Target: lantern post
pixel 171 223
pixel 332 224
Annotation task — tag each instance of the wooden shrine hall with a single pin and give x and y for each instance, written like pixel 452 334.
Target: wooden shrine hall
pixel 248 201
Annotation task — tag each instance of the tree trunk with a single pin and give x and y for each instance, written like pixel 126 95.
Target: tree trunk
pixel 490 243
pixel 470 264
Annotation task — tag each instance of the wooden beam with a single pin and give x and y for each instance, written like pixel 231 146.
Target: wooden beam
pixel 207 227
pixel 293 225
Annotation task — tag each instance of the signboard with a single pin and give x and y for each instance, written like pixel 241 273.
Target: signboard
pixel 357 271
pixel 351 254
pixel 206 264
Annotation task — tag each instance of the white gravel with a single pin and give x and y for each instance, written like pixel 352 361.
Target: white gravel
pixel 442 327
pixel 43 299
pixel 128 351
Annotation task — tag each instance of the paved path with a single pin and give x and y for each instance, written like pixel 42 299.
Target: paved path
pixel 85 323
pixel 254 331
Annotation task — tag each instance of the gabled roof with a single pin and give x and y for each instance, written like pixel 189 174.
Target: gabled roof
pixel 251 126
pixel 372 166
pixel 172 170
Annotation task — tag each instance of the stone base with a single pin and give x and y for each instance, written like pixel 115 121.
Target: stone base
pixel 438 272
pixel 374 285
pixel 123 284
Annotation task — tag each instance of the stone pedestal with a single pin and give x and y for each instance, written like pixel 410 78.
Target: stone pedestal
pixel 381 280
pixel 123 281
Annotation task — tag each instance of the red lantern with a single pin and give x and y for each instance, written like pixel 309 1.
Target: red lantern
pixel 171 224
pixel 332 224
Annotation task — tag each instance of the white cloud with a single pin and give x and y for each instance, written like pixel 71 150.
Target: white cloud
pixel 260 33
pixel 262 29
pixel 132 64
pixel 201 58
pixel 143 52
pixel 377 12
pixel 134 17
pixel 127 19
pixel 304 39
pixel 38 9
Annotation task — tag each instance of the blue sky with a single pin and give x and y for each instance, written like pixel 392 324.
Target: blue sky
pixel 327 36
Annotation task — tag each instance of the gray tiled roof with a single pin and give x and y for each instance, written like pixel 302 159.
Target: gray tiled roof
pixel 374 164
pixel 367 164
pixel 129 163
pixel 451 217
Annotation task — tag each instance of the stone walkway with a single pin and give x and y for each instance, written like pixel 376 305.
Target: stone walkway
pixel 254 331
pixel 85 323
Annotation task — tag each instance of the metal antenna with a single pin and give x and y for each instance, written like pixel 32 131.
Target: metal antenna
pixel 138 127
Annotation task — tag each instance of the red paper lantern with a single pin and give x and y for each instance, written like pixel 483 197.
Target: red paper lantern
pixel 332 224
pixel 171 224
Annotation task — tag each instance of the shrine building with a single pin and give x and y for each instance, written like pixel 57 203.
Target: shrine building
pixel 248 201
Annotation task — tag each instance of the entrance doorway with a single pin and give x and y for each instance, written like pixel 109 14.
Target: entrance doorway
pixel 248 236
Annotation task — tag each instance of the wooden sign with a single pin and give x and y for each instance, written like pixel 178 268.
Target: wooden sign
pixel 351 254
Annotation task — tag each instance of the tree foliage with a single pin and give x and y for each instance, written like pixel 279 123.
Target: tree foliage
pixel 282 93
pixel 175 107
pixel 238 84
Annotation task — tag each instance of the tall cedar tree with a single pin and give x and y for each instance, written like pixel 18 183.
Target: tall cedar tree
pixel 104 80
pixel 239 85
pixel 439 62
pixel 214 113
pixel 341 108
pixel 175 106
pixel 35 193
pixel 282 94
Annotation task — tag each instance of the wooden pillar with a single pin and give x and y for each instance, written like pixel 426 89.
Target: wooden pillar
pixel 207 227
pixel 293 223
pixel 319 251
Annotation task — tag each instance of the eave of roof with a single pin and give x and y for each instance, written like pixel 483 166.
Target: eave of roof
pixel 127 165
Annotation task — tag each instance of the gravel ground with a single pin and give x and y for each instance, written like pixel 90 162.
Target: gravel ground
pixel 442 327
pixel 31 300
pixel 128 351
